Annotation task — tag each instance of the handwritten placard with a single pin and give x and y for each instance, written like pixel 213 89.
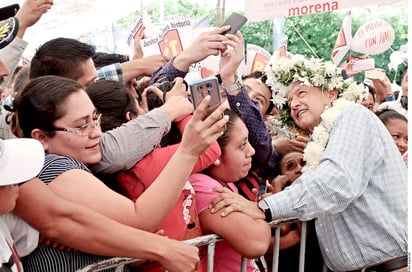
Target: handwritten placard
pixel 373 37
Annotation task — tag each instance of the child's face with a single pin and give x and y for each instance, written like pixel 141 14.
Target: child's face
pixel 8 197
pixel 236 160
pixel 399 132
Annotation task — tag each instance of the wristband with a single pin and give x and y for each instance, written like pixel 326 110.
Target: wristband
pixel 265 208
pixel 237 85
pixel 390 97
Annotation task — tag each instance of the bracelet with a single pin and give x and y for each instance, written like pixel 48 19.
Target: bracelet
pixel 237 85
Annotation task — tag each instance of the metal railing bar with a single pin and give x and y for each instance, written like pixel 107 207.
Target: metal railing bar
pixel 209 239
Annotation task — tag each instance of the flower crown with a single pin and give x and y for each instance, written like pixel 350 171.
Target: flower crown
pixel 313 72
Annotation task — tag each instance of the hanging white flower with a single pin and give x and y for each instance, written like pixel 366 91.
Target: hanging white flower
pixel 321 135
pixel 312 155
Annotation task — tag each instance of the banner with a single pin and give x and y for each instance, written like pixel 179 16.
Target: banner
pixel 142 20
pixel 136 26
pixel 256 58
pixel 174 38
pixel 260 10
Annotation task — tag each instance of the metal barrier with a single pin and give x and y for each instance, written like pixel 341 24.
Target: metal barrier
pixel 211 240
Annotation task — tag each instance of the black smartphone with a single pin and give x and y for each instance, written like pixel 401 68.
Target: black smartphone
pixel 8 11
pixel 203 87
pixel 236 21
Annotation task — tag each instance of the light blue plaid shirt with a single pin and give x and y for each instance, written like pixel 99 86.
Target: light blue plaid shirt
pixel 111 72
pixel 358 194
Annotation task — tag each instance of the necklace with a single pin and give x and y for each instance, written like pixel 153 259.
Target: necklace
pixel 320 136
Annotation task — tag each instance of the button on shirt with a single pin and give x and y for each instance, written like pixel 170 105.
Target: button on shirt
pixel 259 136
pixel 358 194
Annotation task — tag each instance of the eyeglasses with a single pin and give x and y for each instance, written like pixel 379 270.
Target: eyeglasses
pixel 83 130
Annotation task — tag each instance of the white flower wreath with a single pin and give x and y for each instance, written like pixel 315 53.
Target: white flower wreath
pixel 312 72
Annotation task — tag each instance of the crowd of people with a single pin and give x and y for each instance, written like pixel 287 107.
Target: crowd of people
pixel 102 155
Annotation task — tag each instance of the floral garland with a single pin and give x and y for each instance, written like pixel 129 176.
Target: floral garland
pixel 312 73
pixel 313 152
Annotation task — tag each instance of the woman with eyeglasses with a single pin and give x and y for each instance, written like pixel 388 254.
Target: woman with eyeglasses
pixel 58 112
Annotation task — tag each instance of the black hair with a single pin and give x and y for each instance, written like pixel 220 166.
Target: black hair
pixel 385 115
pixel 42 102
pixel 225 138
pixel 113 100
pixel 372 91
pixel 61 57
pixel 263 77
pixel 101 59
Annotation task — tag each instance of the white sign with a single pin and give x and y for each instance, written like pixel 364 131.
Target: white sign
pixel 256 58
pixel 260 10
pixel 373 37
pixel 174 38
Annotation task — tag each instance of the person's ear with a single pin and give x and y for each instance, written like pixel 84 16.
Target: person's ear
pixel 333 95
pixel 41 136
pixel 130 116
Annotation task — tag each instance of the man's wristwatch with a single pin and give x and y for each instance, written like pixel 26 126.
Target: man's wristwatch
pixel 237 85
pixel 265 208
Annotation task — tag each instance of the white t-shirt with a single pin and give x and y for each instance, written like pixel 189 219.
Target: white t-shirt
pixel 17 239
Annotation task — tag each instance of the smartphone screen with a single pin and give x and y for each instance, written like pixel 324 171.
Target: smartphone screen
pixel 236 21
pixel 203 87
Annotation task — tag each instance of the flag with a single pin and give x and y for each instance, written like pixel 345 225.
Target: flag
pixel 343 40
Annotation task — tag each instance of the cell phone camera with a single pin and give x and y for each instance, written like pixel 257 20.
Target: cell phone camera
pixel 205 90
pixel 165 85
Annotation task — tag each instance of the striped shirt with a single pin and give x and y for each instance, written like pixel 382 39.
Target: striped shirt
pixel 50 255
pixel 358 194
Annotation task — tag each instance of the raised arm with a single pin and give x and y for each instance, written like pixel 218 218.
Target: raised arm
pixel 206 44
pixel 80 227
pixel 122 147
pixel 80 186
pixel 242 104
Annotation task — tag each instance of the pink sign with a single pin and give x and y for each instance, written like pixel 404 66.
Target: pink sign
pixel 260 10
pixel 373 37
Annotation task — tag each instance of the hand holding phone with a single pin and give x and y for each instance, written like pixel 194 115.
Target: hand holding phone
pixel 236 21
pixel 375 74
pixel 363 65
pixel 203 87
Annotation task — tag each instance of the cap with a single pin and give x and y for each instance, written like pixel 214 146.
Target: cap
pixel 8 31
pixel 20 160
